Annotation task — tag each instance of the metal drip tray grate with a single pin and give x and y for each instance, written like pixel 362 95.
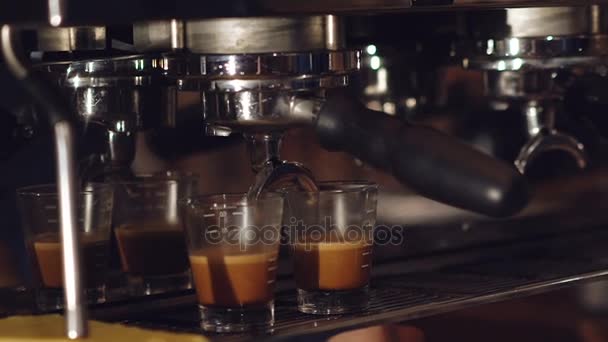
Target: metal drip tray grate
pixel 453 283
pixel 288 318
pixel 489 274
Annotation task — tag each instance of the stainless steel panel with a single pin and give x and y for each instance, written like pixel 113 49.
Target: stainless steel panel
pixel 159 35
pixel 241 35
pixel 71 38
pixel 345 6
pixel 551 21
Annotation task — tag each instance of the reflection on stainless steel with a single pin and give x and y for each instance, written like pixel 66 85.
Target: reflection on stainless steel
pixel 513 85
pixel 257 112
pixel 551 21
pixel 558 37
pixel 122 94
pixel 264 92
pixel 597 17
pixel 158 35
pixel 263 35
pixel 234 88
pixel 549 51
pixel 241 35
pixel 71 38
pixel 276 65
pixel 121 143
pixel 513 54
pixel 263 149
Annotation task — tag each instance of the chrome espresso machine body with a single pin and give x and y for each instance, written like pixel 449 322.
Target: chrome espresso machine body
pixel 366 85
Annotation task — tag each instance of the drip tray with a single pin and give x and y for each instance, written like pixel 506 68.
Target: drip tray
pixel 410 288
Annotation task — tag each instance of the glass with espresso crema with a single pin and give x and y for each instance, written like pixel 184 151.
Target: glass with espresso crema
pixel 331 236
pixel 149 234
pixel 39 211
pixel 233 245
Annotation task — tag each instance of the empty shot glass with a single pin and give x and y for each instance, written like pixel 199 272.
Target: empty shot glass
pixel 149 234
pixel 331 236
pixel 233 243
pixel 39 213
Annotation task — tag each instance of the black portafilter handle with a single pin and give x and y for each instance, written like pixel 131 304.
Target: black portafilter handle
pixel 436 165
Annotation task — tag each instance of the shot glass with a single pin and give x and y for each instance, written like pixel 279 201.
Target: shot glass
pixel 38 206
pixel 233 245
pixel 331 237
pixel 149 234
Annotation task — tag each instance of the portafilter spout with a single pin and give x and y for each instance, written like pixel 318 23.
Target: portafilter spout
pixel 271 172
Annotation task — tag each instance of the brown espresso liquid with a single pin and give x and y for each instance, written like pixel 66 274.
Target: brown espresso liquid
pixel 332 265
pixel 94 255
pixel 152 249
pixel 233 280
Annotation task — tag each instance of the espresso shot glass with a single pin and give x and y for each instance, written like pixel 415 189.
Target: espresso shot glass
pixel 39 211
pixel 149 234
pixel 233 243
pixel 331 236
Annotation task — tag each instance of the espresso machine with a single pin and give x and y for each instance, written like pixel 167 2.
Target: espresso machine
pixel 103 73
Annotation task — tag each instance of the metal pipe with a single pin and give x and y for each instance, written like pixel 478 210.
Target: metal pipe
pixel 57 9
pixel 75 308
pixel 58 113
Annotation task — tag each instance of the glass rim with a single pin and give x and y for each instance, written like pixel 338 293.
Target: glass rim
pixel 231 198
pixel 50 189
pixel 339 187
pixel 160 177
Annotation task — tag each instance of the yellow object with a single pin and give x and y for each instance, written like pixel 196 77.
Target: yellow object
pixel 50 328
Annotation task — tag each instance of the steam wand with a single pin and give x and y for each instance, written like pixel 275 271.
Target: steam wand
pixel 58 114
